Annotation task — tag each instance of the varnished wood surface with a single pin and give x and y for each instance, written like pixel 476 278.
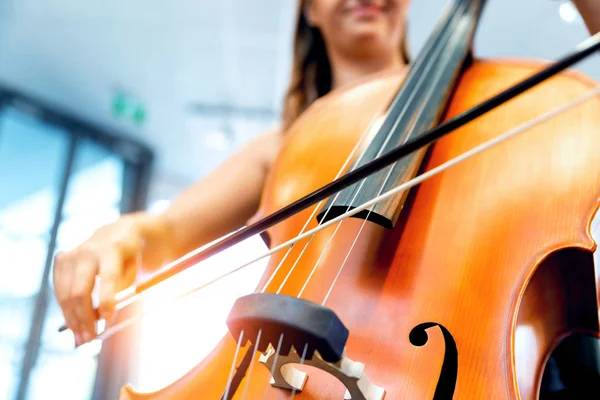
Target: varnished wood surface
pixel 462 255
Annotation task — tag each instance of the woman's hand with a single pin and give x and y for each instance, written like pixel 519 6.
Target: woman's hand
pixel 112 254
pixel 215 206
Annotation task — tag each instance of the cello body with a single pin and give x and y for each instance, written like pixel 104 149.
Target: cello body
pixel 493 257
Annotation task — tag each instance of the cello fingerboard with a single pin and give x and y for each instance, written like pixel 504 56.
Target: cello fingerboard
pixel 417 107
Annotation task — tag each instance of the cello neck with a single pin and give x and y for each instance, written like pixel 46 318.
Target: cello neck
pixel 417 107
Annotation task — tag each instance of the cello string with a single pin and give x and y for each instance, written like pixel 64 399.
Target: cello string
pixel 294 390
pixel 367 133
pixel 390 108
pixel 392 192
pixel 438 75
pixel 324 217
pixel 343 263
pixel 396 99
pixel 251 364
pixel 274 364
pixel 362 138
pixel 358 144
pixel 237 350
pixel 430 62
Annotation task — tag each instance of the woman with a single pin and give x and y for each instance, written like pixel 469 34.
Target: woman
pixel 349 40
pixel 338 42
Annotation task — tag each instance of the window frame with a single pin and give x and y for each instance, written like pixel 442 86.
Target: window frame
pixel 112 372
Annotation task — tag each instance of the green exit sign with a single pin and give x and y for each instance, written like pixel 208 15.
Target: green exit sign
pixel 128 108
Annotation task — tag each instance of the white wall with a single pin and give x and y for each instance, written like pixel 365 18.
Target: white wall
pixel 77 53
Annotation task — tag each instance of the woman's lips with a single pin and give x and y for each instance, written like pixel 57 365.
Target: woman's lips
pixel 366 10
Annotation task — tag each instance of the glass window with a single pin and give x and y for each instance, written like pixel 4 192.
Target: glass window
pixel 32 160
pixel 35 147
pixel 10 357
pixel 96 183
pixel 93 200
pixel 93 195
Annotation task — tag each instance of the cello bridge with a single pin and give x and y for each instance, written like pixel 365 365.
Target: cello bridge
pixel 350 373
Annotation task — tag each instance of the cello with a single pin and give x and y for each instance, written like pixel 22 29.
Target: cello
pixel 459 287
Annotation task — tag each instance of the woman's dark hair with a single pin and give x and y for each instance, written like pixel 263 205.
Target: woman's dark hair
pixel 311 70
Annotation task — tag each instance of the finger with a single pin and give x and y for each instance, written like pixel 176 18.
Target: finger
pixel 62 275
pixel 73 325
pixel 129 274
pixel 80 302
pixel 110 272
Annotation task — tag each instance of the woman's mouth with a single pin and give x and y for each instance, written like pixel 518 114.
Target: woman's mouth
pixel 365 8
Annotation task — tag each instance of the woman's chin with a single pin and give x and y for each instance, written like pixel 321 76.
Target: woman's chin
pixel 367 40
pixel 366 30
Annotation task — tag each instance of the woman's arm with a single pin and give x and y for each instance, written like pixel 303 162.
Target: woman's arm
pixel 590 12
pixel 225 199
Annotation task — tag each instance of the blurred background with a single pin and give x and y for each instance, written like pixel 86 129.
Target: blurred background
pixel 114 106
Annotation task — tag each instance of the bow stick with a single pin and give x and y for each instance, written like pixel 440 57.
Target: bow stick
pixel 583 50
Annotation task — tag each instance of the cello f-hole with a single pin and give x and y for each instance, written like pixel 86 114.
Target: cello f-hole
pixel 449 371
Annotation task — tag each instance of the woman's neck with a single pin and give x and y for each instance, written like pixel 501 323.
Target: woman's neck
pixel 347 71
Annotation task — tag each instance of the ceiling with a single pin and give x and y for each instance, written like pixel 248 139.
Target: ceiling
pixel 185 59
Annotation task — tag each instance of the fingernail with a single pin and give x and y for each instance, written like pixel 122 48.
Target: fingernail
pixel 77 340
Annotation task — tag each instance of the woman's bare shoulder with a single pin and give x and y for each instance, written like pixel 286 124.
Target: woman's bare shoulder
pixel 268 144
